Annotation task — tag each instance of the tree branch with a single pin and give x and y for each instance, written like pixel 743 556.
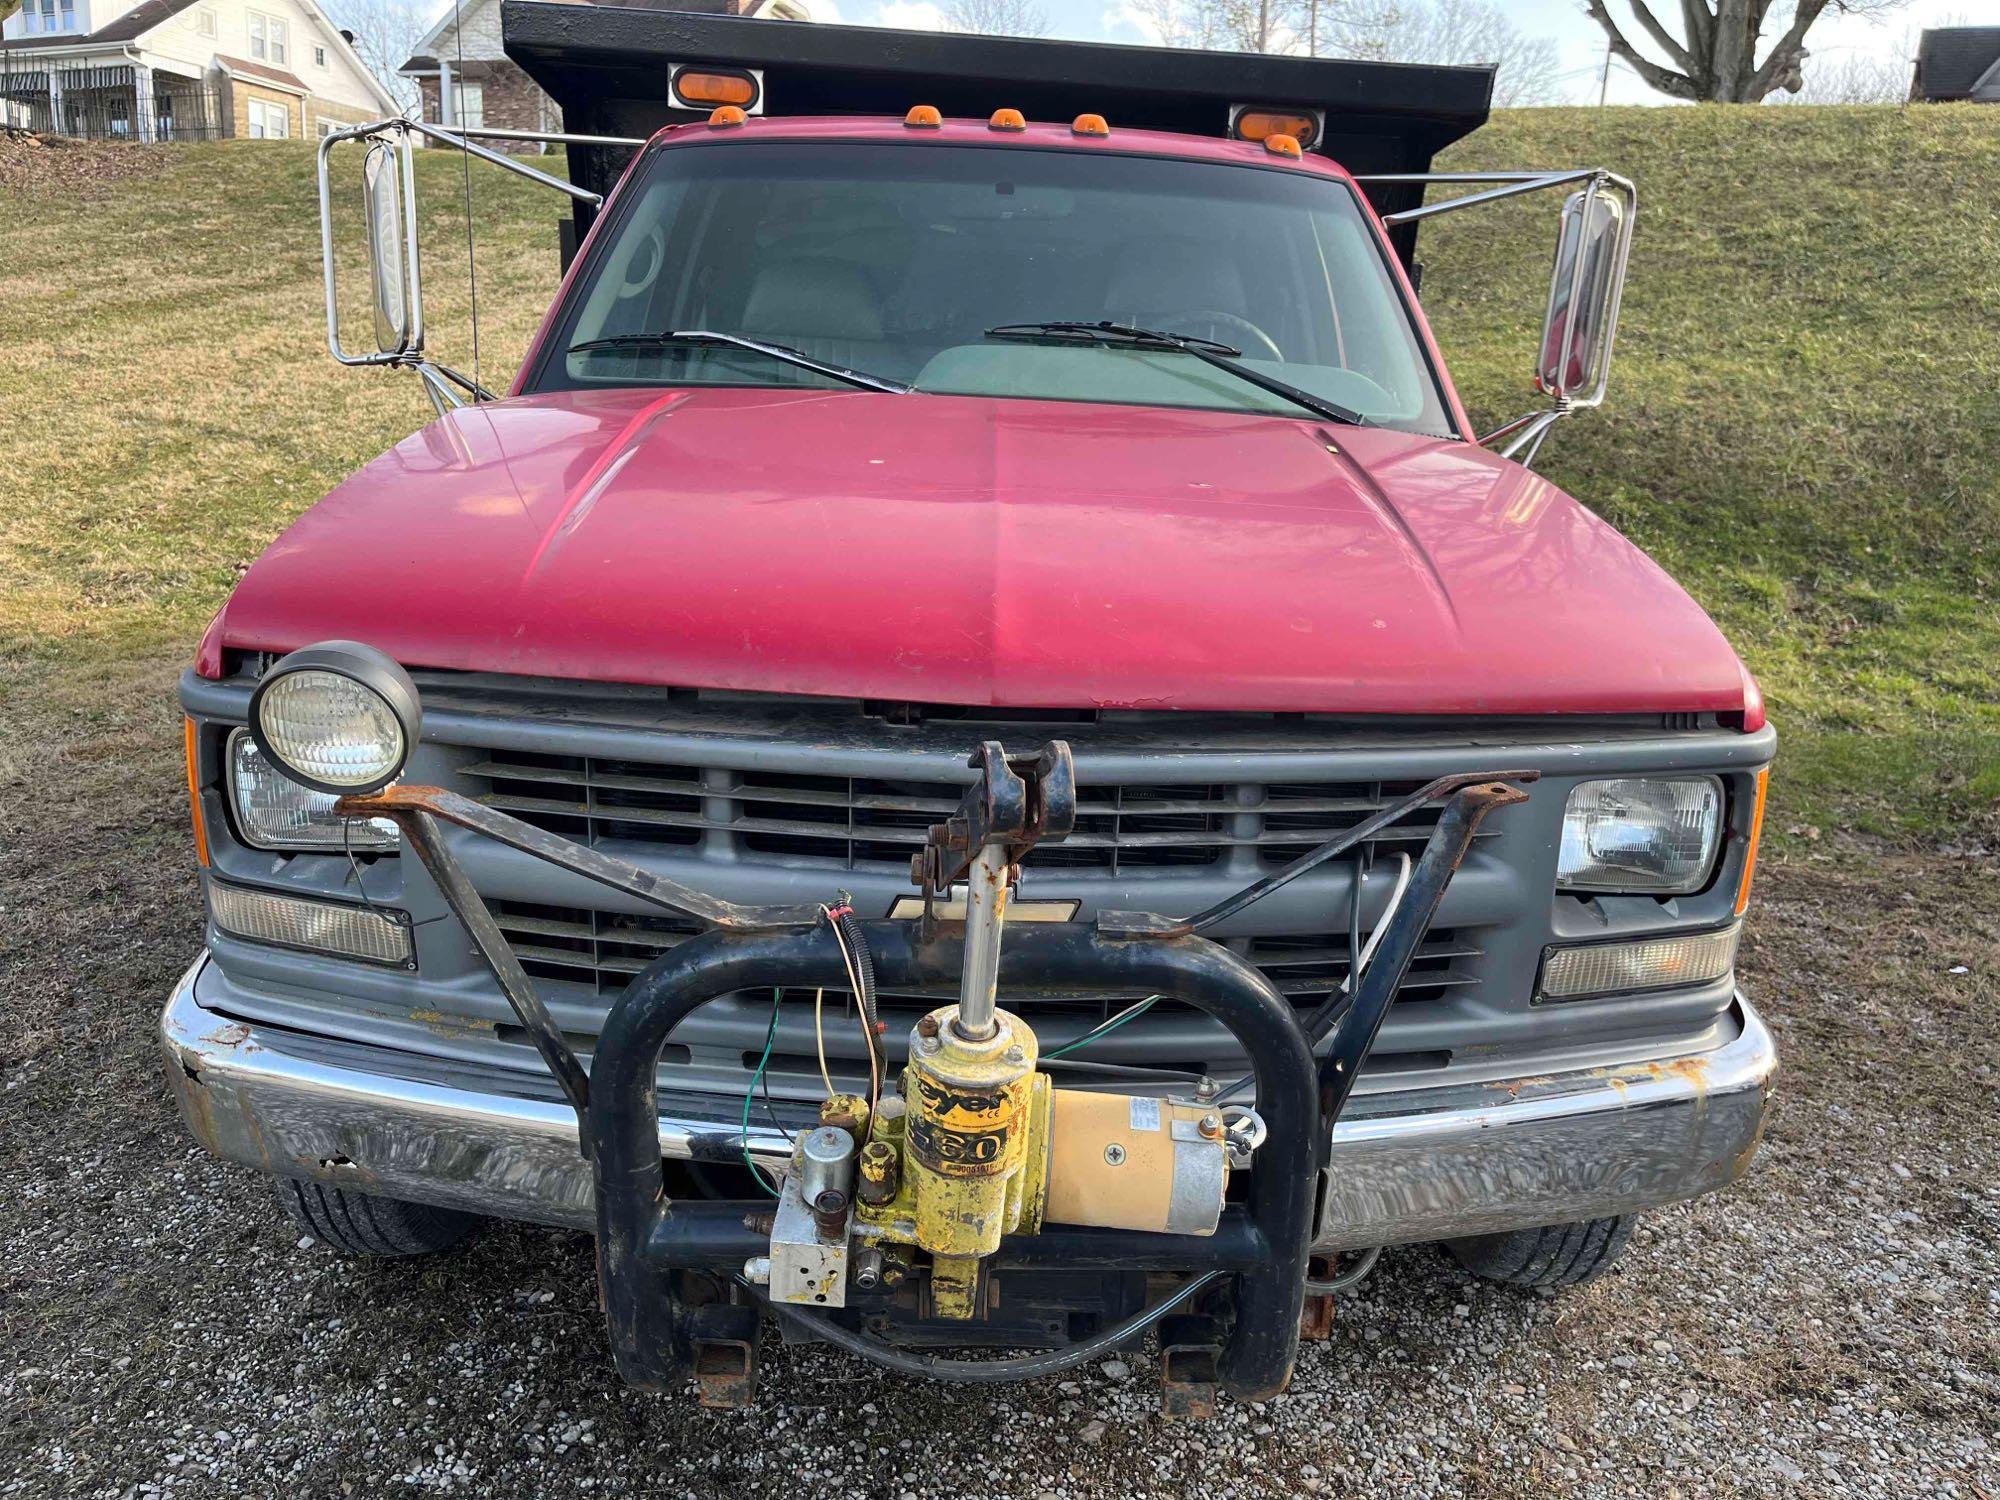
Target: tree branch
pixel 1787 53
pixel 1664 79
pixel 1700 24
pixel 1668 42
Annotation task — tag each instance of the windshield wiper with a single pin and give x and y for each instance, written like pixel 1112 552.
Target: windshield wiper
pixel 1208 351
pixel 704 338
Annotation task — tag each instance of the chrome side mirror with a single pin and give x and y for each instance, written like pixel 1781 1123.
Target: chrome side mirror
pixel 1585 289
pixel 389 248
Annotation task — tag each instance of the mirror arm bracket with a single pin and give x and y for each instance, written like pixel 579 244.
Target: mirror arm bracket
pixel 1527 433
pixel 400 135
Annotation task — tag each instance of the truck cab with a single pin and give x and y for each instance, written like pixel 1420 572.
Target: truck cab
pixel 870 428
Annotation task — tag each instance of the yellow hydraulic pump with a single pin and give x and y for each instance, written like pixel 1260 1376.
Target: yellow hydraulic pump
pixel 980 1145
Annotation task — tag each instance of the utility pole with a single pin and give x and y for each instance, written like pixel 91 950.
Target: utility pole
pixel 1604 80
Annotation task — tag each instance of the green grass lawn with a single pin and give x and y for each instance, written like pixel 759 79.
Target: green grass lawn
pixel 1804 422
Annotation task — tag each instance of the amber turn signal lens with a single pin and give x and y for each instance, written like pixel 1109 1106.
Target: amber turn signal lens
pixel 1281 145
pixel 923 117
pixel 1756 838
pixel 1007 119
pixel 726 116
pixel 1262 124
pixel 192 739
pixel 1089 125
pixel 715 88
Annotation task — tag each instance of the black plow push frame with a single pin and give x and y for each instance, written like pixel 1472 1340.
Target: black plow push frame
pixel 647 1244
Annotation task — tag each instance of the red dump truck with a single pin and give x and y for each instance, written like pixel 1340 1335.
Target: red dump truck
pixel 977 753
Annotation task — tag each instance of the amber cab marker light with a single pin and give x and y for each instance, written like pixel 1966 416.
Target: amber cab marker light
pixel 1282 145
pixel 726 116
pixel 1756 837
pixel 923 117
pixel 1262 124
pixel 1007 119
pixel 715 88
pixel 1089 125
pixel 192 739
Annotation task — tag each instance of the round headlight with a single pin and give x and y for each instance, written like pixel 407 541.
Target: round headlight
pixel 338 717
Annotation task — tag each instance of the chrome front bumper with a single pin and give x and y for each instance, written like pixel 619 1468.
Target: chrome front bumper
pixel 1427 1164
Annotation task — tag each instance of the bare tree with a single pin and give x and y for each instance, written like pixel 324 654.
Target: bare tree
pixel 1860 77
pixel 1183 23
pixel 385 33
pixel 1313 27
pixel 1529 68
pixel 1714 55
pixel 995 17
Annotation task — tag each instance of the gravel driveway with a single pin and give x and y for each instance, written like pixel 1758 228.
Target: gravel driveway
pixel 1830 1327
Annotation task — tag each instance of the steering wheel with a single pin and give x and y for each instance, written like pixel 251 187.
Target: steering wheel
pixel 1216 315
pixel 642 266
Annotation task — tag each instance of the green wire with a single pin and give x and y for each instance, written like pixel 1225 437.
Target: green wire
pixel 1100 1032
pixel 750 1094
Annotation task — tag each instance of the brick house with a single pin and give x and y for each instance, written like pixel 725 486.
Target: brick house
pixel 168 70
pixel 467 79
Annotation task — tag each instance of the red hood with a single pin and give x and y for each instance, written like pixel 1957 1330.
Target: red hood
pixel 991 552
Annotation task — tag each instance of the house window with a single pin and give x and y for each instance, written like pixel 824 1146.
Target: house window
pixel 470 99
pixel 269 122
pixel 69 15
pixel 269 39
pixel 323 127
pixel 319 57
pixel 204 21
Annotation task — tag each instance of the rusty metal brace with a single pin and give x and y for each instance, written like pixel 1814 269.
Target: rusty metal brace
pixel 1150 924
pixel 417 810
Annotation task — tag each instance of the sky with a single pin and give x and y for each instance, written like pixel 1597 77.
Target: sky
pixel 1582 42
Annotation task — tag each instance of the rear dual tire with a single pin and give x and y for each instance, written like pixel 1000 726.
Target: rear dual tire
pixel 1556 1255
pixel 362 1224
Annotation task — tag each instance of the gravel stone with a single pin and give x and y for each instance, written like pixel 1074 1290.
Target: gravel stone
pixel 162 1333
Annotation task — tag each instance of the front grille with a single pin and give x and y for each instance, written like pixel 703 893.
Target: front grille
pixel 592 953
pixel 856 823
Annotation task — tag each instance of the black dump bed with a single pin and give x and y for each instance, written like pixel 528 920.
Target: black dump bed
pixel 608 66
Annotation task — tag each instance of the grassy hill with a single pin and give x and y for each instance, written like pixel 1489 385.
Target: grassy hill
pixel 1804 422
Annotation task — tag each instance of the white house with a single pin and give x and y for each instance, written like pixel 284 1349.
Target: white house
pixel 468 80
pixel 182 70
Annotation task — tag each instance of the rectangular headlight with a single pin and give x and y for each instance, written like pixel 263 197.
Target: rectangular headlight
pixel 1649 836
pixel 1647 964
pixel 275 812
pixel 376 936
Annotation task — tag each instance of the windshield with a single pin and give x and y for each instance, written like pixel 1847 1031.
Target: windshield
pixel 895 260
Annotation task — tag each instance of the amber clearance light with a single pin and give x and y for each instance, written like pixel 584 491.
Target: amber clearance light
pixel 192 738
pixel 1263 124
pixel 1756 837
pixel 698 89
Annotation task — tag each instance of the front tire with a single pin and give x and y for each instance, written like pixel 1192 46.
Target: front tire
pixel 353 1223
pixel 1555 1255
